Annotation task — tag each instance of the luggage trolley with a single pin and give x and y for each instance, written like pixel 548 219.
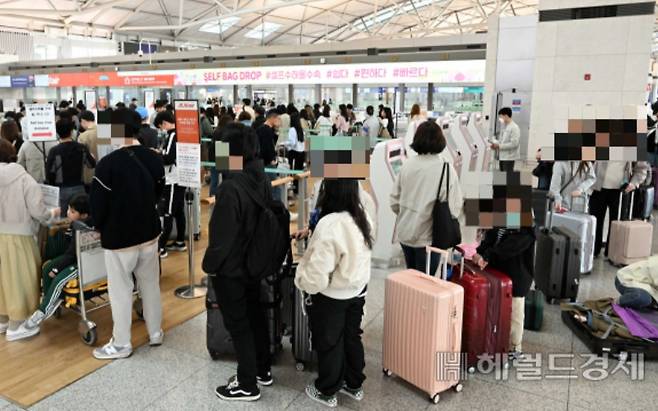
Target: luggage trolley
pixel 88 292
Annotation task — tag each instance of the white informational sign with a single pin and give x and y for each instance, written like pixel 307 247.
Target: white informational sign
pixel 50 196
pixel 90 101
pixel 40 121
pixel 149 101
pixel 188 164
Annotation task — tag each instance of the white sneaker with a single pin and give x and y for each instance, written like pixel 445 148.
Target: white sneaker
pixel 156 339
pixel 21 332
pixel 3 327
pixel 111 352
pixel 35 319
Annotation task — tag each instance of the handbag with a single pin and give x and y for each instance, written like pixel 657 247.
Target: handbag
pixel 446 232
pixel 383 133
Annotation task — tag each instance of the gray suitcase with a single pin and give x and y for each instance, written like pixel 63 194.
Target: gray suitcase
pixel 302 349
pixel 584 227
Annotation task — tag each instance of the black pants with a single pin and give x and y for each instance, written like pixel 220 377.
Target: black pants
pixel 506 165
pixel 246 321
pixel 336 333
pixel 296 159
pixel 599 203
pixel 173 197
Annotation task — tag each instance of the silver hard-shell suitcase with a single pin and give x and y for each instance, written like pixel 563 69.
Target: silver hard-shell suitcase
pixel 584 226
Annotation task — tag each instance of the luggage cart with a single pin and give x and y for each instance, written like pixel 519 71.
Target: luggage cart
pixel 88 292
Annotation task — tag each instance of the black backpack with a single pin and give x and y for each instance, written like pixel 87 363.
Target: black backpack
pixel 270 240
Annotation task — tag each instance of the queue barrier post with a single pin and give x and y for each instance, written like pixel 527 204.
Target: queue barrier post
pixel 191 290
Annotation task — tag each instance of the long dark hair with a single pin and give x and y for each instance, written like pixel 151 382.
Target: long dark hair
pixel 343 112
pixel 297 125
pixel 338 195
pixel 583 168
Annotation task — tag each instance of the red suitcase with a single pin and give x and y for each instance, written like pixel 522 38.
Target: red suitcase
pixel 487 312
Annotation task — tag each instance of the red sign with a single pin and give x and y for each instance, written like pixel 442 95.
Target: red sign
pixel 187 121
pixel 109 79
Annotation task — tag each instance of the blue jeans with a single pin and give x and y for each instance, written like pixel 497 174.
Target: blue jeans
pixel 277 191
pixel 633 297
pixel 416 258
pixel 65 196
pixel 214 181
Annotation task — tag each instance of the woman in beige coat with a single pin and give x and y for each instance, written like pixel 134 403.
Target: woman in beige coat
pixel 21 203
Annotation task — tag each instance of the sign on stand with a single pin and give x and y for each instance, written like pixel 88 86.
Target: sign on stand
pixel 40 121
pixel 188 147
pixel 50 196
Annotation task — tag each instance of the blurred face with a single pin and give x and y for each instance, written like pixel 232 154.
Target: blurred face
pixel 73 215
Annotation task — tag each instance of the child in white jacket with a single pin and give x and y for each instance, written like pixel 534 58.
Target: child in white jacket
pixel 335 271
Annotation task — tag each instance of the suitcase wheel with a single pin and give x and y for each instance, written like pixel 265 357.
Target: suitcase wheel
pixel 197 236
pixel 471 370
pixel 214 355
pixel 299 366
pixel 387 372
pixel 459 387
pixel 435 399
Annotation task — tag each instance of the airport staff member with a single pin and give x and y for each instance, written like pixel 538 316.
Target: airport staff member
pixel 508 146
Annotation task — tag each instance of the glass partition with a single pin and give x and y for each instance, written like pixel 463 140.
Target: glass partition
pixel 457 99
pixel 305 95
pixel 337 94
pixel 41 94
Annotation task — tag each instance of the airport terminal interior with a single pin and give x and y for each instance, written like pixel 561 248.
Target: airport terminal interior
pixel 315 204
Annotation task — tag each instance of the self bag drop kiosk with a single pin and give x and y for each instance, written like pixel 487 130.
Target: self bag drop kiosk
pixel 385 165
pixel 453 154
pixel 477 129
pixel 466 143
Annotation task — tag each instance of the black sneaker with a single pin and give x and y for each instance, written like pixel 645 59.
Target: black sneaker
pixel 313 393
pixel 354 393
pixel 177 246
pixel 233 392
pixel 163 253
pixel 265 380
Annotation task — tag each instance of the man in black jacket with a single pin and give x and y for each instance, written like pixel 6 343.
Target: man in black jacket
pixel 173 198
pixel 124 194
pixel 232 222
pixel 267 138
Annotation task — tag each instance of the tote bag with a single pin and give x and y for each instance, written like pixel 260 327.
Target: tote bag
pixel 445 228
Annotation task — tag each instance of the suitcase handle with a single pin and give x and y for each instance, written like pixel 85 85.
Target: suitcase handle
pixel 630 209
pixel 443 262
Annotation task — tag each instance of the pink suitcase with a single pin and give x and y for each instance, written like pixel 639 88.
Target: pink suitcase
pixel 423 329
pixel 630 241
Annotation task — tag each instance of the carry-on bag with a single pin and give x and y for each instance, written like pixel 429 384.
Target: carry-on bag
pixel 584 226
pixel 302 349
pixel 630 241
pixel 218 339
pixel 534 310
pixel 557 262
pixel 487 312
pixel 539 206
pixel 603 332
pixel 423 318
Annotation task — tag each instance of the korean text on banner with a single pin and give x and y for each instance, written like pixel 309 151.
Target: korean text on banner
pixel 187 121
pixel 188 164
pixel 50 196
pixel 188 147
pixel 40 120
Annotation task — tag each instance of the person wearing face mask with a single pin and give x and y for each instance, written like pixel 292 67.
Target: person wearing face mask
pixel 508 146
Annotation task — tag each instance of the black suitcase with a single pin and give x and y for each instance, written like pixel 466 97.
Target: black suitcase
pixel 218 340
pixel 534 310
pixel 614 346
pixel 557 262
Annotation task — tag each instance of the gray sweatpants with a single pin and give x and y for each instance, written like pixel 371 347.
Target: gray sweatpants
pixel 142 260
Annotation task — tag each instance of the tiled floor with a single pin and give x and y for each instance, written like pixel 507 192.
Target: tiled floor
pixel 180 376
